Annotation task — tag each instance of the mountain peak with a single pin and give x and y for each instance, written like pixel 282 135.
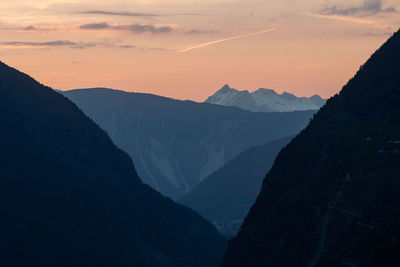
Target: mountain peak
pixel 225 89
pixel 226 86
pixel 265 91
pixel 263 100
pixel 316 97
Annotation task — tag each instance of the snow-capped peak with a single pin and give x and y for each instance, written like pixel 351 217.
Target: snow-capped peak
pixel 264 100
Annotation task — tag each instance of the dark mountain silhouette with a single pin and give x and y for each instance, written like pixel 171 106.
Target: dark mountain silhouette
pixel 332 197
pixel 70 197
pixel 226 195
pixel 176 144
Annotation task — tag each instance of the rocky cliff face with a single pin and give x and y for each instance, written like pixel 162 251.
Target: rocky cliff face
pixel 226 195
pixel 332 196
pixel 176 144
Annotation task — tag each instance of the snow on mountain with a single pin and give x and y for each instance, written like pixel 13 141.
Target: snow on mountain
pixel 264 100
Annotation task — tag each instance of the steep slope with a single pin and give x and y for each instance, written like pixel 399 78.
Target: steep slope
pixel 69 197
pixel 176 144
pixel 264 100
pixel 226 195
pixel 332 197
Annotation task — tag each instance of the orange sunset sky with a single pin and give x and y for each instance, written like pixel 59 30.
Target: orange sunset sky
pixel 187 49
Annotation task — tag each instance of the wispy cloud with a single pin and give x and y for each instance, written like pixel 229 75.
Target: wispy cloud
pixel 134 14
pixel 116 13
pixel 368 7
pixel 62 43
pixel 46 44
pixel 145 28
pixel 95 26
pixel 26 28
pixel 225 40
pixel 127 46
pixel 133 28
pixel 197 31
pixel 350 19
pixel 29 28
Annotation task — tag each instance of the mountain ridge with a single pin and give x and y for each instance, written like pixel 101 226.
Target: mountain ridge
pixel 70 197
pixel 176 144
pixel 264 100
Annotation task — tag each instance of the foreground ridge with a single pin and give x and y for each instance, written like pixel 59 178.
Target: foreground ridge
pixel 332 196
pixel 70 197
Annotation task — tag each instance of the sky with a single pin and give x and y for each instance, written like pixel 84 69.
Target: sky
pixel 188 49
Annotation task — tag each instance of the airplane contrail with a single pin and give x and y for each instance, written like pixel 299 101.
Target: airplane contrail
pixel 226 39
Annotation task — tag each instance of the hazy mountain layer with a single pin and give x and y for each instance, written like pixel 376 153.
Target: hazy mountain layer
pixel 176 144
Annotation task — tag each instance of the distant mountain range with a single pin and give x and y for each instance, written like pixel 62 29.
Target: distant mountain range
pixel 70 197
pixel 264 100
pixel 176 144
pixel 226 195
pixel 332 197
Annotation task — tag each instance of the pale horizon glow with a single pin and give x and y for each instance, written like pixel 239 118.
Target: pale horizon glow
pixel 163 47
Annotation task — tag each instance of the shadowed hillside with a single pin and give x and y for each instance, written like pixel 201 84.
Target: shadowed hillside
pixel 332 197
pixel 225 196
pixel 70 197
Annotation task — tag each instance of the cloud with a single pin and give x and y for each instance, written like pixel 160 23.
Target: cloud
pixel 95 26
pixel 66 43
pixel 112 13
pixel 29 28
pixel 32 28
pixel 133 28
pixel 134 14
pixel 225 40
pixel 51 43
pixel 196 31
pixel 127 46
pixel 368 7
pixel 145 28
pixel 351 20
pixel 58 43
